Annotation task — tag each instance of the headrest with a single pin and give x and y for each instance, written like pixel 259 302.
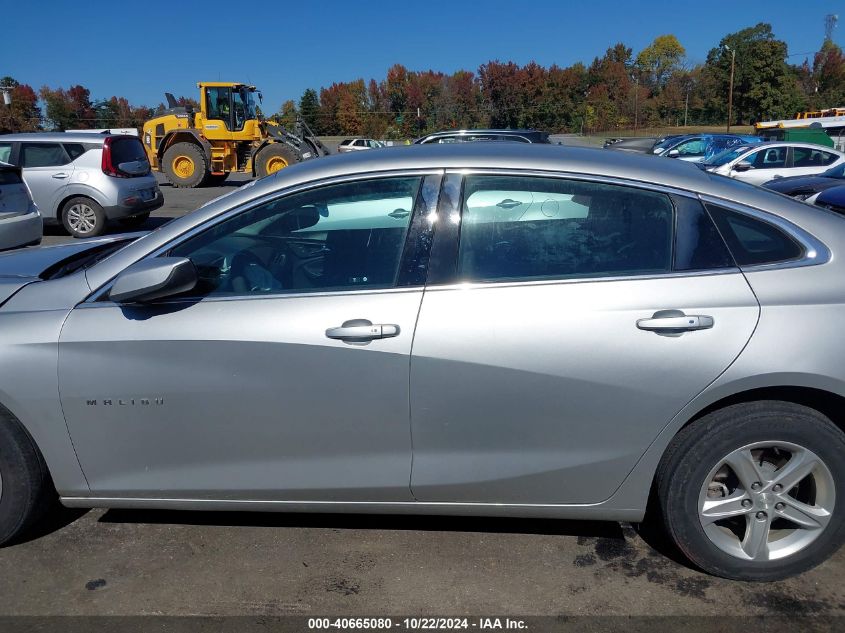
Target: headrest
pixel 298 219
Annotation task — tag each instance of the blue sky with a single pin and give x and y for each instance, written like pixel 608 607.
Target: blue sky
pixel 142 49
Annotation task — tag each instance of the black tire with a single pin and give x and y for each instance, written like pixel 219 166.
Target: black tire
pixel 27 490
pixel 268 159
pixel 135 221
pixel 703 445
pixel 82 217
pixel 215 180
pixel 185 152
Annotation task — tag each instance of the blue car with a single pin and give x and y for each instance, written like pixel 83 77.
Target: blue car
pixel 699 147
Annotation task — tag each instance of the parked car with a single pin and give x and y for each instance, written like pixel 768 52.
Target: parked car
pixel 832 198
pixel 84 180
pixel 808 187
pixel 358 144
pixel 592 331
pixel 20 221
pixel 636 144
pixel 700 147
pixel 469 136
pixel 763 162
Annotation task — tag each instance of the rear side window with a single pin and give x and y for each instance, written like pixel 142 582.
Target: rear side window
pixel 752 241
pixel 127 150
pixel 75 150
pixel 525 227
pixel 43 155
pixel 808 157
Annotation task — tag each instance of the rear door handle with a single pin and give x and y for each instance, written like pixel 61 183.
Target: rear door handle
pixel 361 330
pixel 675 321
pixel 399 213
pixel 60 176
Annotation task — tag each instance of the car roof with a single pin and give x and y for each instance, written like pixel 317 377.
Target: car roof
pixel 483 131
pixel 61 137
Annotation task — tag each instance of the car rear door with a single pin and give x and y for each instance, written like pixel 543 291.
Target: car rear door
pixel 552 348
pixel 47 169
pixel 284 377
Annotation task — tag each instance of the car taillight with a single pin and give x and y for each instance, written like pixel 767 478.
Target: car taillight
pixel 109 168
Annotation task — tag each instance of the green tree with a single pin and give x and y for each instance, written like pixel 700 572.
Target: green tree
pixel 765 86
pixel 287 114
pixel 309 108
pixel 657 61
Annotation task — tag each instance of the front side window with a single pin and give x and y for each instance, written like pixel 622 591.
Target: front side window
pixel 217 104
pixel 518 227
pixel 769 158
pixel 5 152
pixel 339 237
pixel 43 155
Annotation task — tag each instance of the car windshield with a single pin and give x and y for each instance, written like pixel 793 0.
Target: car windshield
pixel 666 142
pixel 727 156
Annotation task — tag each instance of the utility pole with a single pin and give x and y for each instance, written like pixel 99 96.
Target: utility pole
pixel 686 107
pixel 636 79
pixel 730 87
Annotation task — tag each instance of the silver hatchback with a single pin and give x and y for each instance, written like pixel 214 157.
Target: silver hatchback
pixel 83 180
pixel 479 329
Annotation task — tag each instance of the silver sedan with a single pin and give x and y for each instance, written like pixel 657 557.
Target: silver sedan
pixel 480 329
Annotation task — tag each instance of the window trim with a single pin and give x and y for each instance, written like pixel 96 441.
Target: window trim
pixel 444 251
pixel 99 296
pixel 815 251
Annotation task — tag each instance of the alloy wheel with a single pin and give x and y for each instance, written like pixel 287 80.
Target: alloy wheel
pixel 766 501
pixel 81 218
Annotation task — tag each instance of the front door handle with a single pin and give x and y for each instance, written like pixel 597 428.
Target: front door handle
pixel 399 213
pixel 675 321
pixel 362 330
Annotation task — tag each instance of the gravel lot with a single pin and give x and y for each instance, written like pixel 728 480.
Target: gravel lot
pixel 181 563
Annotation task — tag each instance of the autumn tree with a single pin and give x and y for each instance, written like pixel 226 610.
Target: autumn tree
pixel 23 114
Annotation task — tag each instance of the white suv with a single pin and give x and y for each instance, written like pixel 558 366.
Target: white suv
pixel 83 180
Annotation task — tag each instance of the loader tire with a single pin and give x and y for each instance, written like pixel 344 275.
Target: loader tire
pixel 274 157
pixel 185 165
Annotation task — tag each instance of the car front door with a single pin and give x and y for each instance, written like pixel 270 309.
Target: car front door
pixel 47 170
pixel 767 164
pixel 554 348
pixel 283 376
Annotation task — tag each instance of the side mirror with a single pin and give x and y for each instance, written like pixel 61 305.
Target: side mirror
pixel 743 166
pixel 153 279
pixel 673 153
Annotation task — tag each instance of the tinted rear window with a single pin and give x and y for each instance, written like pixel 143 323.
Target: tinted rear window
pixel 754 241
pixel 127 150
pixel 9 177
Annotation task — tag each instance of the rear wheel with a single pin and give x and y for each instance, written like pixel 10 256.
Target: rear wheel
pixel 25 488
pixel 274 157
pixel 755 491
pixel 82 217
pixel 185 165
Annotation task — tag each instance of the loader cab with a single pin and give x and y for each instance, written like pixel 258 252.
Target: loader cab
pixel 232 104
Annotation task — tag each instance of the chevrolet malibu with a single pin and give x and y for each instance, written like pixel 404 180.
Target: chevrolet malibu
pixel 478 329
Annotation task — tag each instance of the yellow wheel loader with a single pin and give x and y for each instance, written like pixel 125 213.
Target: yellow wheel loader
pixel 226 135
